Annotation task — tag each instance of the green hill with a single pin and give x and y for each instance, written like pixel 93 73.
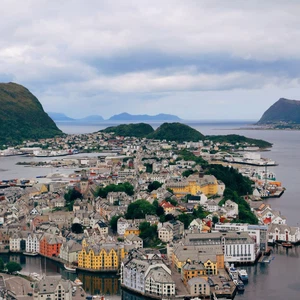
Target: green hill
pixel 139 130
pixel 282 111
pixel 22 116
pixel 176 132
pixel 235 138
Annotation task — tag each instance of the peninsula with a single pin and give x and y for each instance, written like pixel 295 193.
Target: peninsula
pixel 283 114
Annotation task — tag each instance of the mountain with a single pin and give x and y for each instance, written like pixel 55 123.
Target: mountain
pixel 59 117
pixel 139 130
pixel 176 132
pixel 22 116
pixel 282 111
pixel 92 118
pixel 128 117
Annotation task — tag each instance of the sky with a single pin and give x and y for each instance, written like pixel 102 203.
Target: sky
pixel 200 60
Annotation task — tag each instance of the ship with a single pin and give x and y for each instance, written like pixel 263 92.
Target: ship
pixel 243 275
pixel 70 268
pixel 287 245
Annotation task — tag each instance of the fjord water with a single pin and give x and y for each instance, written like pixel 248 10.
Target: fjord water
pixel 280 278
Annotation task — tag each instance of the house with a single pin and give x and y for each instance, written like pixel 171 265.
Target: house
pixel 168 207
pixel 102 227
pixel 232 209
pixel 50 245
pixel 69 251
pixel 283 233
pixel 133 239
pixel 132 229
pixel 196 225
pixel 169 230
pixel 33 242
pixel 53 288
pixel 198 286
pixel 211 206
pixel 17 241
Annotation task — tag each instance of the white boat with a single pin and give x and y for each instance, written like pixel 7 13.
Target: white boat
pixel 243 275
pixel 70 269
pixel 31 253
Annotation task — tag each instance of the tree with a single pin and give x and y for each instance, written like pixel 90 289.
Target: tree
pixel 72 195
pixel 187 173
pixel 77 228
pixel 1 264
pixel 114 223
pixel 13 267
pixel 125 187
pixel 154 186
pixel 148 233
pixel 139 208
pixel 186 219
pixel 215 219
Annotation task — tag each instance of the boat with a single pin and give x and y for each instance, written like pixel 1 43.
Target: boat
pixel 69 268
pixel 239 285
pixel 77 281
pixel 243 275
pixel 31 253
pixel 287 245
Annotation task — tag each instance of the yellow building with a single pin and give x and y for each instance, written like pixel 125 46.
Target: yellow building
pixel 131 230
pixel 101 257
pixel 207 184
pixel 212 257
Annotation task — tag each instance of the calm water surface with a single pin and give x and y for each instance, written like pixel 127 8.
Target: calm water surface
pixel 277 280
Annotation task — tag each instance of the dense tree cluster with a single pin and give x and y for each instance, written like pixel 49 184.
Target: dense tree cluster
pixel 125 187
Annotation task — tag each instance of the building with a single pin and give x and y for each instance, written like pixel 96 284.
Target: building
pixel 198 286
pixel 283 233
pixel 100 256
pixel 17 242
pixel 50 245
pixel 194 184
pixel 53 288
pixel 69 251
pixel 132 229
pixel 147 276
pixel 132 239
pixel 168 230
pixel 211 256
pixel 237 246
pixel 33 243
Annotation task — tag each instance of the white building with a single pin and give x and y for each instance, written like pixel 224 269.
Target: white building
pixel 53 288
pixel 283 233
pixel 122 225
pixel 33 243
pixel 232 209
pixel 147 277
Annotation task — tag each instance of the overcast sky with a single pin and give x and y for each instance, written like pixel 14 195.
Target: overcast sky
pixel 196 59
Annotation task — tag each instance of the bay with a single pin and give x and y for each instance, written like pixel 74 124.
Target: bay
pixel 277 280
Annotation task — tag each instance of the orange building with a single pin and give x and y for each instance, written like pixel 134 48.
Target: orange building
pixel 50 245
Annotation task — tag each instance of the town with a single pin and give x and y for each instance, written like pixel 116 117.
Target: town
pixel 170 218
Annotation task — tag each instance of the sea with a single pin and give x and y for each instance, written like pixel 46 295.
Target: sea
pixel 275 280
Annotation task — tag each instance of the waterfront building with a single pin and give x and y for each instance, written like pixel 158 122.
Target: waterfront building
pixel 147 276
pixel 193 269
pixel 33 242
pixel 69 251
pixel 53 288
pixel 99 256
pixel 50 245
pixel 17 241
pixel 283 233
pixel 211 256
pixel 236 246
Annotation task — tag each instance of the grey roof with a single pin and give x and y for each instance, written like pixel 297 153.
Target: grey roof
pixel 49 284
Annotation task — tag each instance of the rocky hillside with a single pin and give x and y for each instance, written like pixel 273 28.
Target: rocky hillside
pixel 22 116
pixel 138 130
pixel 282 111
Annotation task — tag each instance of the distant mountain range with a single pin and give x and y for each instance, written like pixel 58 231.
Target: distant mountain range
pixel 283 111
pixel 60 117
